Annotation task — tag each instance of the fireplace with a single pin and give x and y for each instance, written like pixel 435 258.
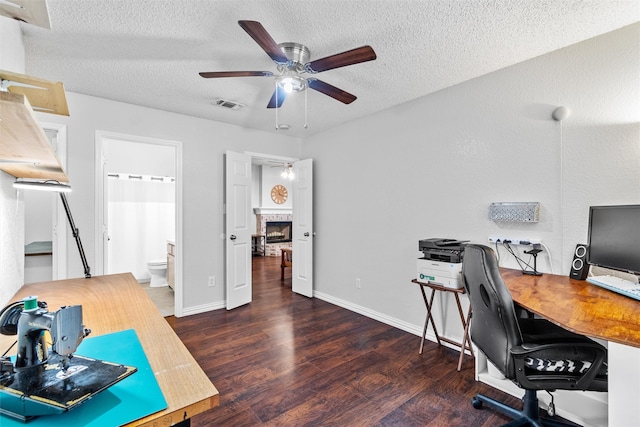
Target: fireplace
pixel 278 231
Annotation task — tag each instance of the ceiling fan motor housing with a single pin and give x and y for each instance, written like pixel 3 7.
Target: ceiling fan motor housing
pixel 297 54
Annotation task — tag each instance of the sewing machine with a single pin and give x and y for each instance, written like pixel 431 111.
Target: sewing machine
pixel 43 382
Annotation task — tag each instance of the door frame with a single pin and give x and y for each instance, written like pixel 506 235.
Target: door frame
pixel 279 159
pixel 101 205
pixel 59 217
pixel 252 156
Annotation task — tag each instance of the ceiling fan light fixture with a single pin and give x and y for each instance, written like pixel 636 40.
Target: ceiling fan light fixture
pixel 292 83
pixel 287 171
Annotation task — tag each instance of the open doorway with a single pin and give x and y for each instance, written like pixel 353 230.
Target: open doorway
pixel 46 223
pixel 272 208
pixel 239 227
pixel 139 201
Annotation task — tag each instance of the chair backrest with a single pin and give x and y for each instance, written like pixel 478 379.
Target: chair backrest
pixel 494 324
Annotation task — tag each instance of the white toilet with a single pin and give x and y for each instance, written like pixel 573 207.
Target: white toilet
pixel 158 271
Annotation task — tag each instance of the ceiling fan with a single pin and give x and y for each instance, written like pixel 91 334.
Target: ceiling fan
pixel 292 61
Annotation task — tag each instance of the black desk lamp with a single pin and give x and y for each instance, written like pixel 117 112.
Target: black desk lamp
pixel 51 185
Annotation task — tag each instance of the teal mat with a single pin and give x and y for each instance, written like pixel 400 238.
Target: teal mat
pixel 132 398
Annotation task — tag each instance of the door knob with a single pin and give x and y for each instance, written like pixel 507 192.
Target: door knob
pixel 306 234
pixel 232 237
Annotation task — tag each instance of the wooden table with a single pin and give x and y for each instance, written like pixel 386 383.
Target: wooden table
pixel 466 341
pixel 587 309
pixel 117 302
pixel 577 305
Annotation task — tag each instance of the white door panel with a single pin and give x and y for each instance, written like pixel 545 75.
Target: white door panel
pixel 238 230
pixel 302 270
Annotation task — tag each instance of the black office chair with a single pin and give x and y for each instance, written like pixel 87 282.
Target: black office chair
pixel 533 353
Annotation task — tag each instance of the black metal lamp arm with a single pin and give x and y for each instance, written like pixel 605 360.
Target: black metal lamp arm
pixel 76 235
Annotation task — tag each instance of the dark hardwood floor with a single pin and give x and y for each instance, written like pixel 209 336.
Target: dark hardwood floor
pixel 288 360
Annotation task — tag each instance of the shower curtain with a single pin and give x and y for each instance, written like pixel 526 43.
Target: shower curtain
pixel 141 219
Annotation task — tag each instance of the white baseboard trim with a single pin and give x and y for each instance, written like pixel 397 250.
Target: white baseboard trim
pixel 380 317
pixel 197 309
pixel 388 320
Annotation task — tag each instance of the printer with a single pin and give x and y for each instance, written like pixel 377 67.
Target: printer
pixel 441 263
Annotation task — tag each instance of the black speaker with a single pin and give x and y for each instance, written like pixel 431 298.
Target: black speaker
pixel 579 266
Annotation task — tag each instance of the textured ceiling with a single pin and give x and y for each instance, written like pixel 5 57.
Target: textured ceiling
pixel 149 52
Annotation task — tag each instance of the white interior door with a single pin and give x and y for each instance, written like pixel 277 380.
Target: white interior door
pixel 238 229
pixel 302 270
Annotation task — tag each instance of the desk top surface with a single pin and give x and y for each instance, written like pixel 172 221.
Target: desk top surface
pixel 577 305
pixel 117 302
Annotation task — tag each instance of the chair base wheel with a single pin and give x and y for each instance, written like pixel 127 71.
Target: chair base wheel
pixel 527 416
pixel 476 403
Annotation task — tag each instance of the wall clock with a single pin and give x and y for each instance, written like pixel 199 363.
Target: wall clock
pixel 279 194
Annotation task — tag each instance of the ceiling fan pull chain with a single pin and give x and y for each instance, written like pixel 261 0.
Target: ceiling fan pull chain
pixel 305 110
pixel 277 124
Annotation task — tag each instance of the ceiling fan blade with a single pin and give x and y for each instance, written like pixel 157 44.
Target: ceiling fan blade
pixel 262 37
pixel 279 95
pixel 332 91
pixel 350 57
pixel 216 74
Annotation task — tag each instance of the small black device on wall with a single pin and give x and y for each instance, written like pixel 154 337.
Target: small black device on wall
pixel 579 266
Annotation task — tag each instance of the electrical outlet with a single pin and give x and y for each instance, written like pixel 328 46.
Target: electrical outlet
pixel 358 285
pixel 212 281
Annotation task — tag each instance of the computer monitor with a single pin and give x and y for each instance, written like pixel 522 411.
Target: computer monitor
pixel 614 237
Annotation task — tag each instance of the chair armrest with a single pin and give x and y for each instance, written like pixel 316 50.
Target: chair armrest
pixel 541 350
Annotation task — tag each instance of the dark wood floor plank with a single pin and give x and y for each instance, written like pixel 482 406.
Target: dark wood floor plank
pixel 316 411
pixel 289 360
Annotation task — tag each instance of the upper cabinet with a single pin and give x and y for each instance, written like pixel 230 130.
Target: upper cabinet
pixel 33 12
pixel 45 96
pixel 25 151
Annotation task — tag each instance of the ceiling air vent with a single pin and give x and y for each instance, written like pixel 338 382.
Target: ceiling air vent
pixel 231 105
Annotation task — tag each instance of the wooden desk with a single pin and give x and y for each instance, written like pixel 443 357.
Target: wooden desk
pixel 577 305
pixel 117 302
pixel 466 341
pixel 590 310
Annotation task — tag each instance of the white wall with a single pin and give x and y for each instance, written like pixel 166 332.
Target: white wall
pixel 263 178
pixel 12 52
pixel 431 167
pixel 204 144
pixel 139 158
pixel 270 177
pixel 11 239
pixel 11 204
